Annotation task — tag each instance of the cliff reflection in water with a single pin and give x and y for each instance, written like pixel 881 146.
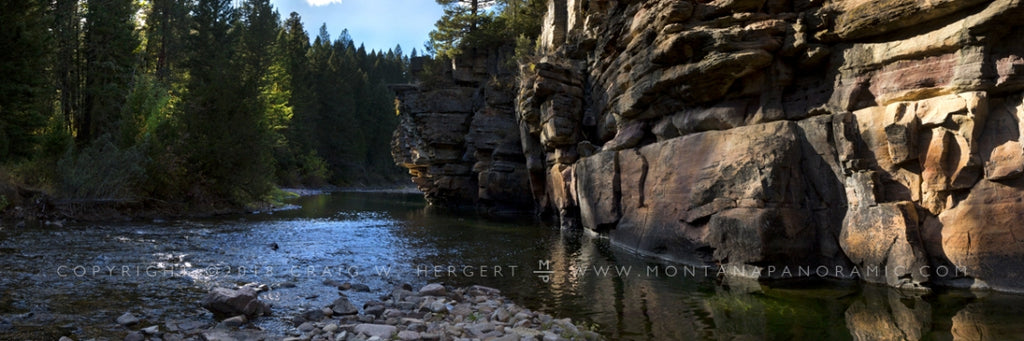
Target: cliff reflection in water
pixel 628 297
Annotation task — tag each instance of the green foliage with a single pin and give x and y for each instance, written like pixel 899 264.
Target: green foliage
pixel 314 170
pixel 24 90
pixel 198 101
pixel 167 23
pixel 101 170
pixel 277 197
pixel 466 25
pixel 110 45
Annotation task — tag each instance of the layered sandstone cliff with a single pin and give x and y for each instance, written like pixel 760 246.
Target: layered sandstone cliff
pixel 459 138
pixel 875 139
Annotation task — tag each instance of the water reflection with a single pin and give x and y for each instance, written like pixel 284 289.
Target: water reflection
pixel 384 239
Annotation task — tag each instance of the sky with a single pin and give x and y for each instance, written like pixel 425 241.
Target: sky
pixel 379 24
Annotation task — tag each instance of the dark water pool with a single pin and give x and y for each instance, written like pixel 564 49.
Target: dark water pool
pixel 76 280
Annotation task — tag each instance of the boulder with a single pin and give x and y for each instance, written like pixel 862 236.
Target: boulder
pixel 342 306
pixel 433 289
pixel 884 242
pixel 983 234
pixel 382 331
pixel 231 302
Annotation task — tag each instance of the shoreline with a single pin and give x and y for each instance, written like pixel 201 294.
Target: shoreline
pixel 433 312
pixel 38 209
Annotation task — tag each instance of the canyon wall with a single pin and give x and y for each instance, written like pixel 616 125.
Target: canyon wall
pixel 459 138
pixel 878 140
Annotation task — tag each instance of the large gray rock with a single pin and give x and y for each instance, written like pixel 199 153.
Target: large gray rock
pixel 382 331
pixel 342 306
pixel 231 302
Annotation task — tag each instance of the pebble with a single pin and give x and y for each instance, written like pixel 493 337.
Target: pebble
pixel 375 310
pixel 379 330
pixel 127 319
pixel 433 289
pixel 236 321
pixel 475 313
pixel 408 335
pixel 135 336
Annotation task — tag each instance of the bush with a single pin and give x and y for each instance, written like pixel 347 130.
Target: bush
pixel 314 170
pixel 101 171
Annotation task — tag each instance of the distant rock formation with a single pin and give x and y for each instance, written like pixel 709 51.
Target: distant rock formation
pixel 459 137
pixel 880 140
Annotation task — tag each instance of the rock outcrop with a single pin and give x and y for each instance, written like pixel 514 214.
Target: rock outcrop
pixel 459 138
pixel 879 140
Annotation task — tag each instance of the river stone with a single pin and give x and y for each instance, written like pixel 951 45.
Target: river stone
pixel 330 328
pixel 183 326
pixel 379 330
pixel 482 290
pixel 408 335
pixel 135 336
pixel 235 321
pixel 151 330
pixel 549 336
pixel 127 319
pixel 342 306
pixel 507 337
pixel 306 327
pixel 433 289
pixel 230 302
pixel 375 310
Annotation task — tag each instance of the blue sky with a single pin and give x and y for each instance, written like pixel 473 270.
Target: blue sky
pixel 380 24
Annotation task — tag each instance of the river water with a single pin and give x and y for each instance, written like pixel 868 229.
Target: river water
pixel 76 280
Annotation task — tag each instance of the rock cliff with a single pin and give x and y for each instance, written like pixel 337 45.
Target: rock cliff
pixel 459 138
pixel 878 140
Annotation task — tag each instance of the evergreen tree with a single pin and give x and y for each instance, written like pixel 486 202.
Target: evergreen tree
pixel 200 104
pixel 110 43
pixel 67 68
pixel 166 32
pixel 227 138
pixel 467 25
pixel 24 61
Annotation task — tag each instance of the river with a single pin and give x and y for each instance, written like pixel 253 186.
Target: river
pixel 77 279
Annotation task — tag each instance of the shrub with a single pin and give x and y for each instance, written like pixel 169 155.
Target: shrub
pixel 101 171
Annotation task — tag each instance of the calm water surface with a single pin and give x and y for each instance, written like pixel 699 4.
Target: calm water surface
pixel 77 280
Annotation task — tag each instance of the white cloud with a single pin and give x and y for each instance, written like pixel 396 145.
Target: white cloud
pixel 316 3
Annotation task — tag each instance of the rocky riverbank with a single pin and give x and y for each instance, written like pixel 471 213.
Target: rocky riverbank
pixel 434 312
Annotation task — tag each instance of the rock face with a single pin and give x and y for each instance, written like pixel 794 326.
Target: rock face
pixel 459 139
pixel 879 140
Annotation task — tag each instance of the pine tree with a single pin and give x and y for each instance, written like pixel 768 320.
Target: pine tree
pixel 67 69
pixel 293 49
pixel 225 128
pixel 24 63
pixel 166 32
pixel 475 24
pixel 110 44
